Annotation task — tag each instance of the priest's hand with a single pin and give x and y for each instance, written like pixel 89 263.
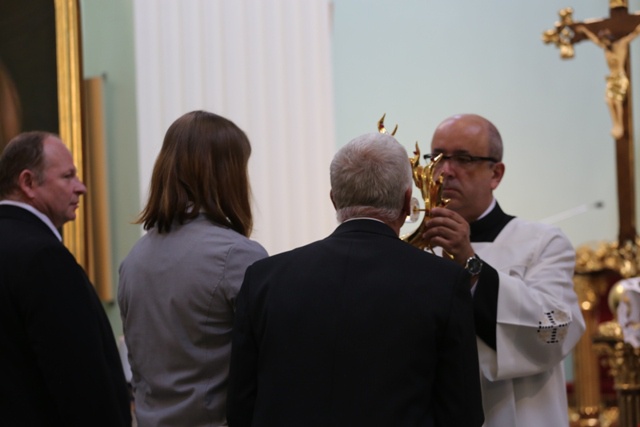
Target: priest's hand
pixel 447 229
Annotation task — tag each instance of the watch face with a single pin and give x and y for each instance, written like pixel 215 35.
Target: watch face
pixel 474 265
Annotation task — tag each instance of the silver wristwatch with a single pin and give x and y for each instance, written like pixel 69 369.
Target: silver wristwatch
pixel 473 265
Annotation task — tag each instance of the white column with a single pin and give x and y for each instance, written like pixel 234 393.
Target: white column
pixel 264 64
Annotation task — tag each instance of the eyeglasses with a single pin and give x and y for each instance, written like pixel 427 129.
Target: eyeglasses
pixel 461 159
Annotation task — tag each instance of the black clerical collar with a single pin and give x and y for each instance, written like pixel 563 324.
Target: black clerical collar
pixel 488 228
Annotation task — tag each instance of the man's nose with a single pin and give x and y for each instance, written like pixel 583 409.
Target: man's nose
pixel 81 188
pixel 445 167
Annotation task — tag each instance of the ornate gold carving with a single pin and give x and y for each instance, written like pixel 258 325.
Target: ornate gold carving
pixel 611 256
pixel 623 363
pixel 589 288
pixel 610 329
pixel 562 34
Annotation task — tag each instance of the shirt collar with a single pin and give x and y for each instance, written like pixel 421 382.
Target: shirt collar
pixel 489 209
pixel 36 212
pixel 363 217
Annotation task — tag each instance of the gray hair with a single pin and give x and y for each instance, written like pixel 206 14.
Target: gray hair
pixel 369 177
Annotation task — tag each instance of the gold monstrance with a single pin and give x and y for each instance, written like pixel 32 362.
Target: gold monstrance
pixel 430 186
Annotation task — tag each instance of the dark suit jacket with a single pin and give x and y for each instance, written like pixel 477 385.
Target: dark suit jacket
pixel 58 359
pixel 358 329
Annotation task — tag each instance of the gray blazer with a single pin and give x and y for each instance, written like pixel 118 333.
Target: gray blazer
pixel 177 300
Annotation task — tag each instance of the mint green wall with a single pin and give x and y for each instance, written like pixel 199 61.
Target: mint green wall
pixel 421 61
pixel 108 49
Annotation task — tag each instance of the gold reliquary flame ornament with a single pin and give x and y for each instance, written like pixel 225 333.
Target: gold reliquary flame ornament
pixel 382 129
pixel 430 185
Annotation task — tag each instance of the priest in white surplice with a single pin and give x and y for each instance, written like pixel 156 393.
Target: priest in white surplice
pixel 526 311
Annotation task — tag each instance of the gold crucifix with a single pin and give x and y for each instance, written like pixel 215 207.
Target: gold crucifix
pixel 613 35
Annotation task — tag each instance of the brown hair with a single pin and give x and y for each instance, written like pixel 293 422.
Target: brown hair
pixel 25 151
pixel 202 167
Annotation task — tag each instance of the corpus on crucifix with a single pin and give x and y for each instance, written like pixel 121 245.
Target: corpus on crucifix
pixel 615 52
pixel 613 35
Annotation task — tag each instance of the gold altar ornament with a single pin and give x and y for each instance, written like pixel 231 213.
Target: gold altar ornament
pixel 622 361
pixel 430 185
pixel 623 259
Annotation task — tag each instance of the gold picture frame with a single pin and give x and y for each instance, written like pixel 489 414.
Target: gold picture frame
pixel 69 66
pixel 80 101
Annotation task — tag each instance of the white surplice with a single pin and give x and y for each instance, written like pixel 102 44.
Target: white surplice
pixel 538 323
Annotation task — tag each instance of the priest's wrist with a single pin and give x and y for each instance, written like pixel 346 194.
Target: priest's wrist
pixel 473 265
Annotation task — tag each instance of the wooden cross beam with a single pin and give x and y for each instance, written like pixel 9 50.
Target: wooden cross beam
pixel 613 35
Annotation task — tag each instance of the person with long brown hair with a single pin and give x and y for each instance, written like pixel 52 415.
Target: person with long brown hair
pixel 178 284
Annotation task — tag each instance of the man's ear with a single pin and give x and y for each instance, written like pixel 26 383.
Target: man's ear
pixel 406 206
pixel 498 173
pixel 332 201
pixel 27 182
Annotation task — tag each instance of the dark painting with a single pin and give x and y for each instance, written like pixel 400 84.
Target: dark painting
pixel 28 75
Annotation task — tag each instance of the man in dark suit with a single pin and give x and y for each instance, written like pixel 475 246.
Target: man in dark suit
pixel 58 358
pixel 360 329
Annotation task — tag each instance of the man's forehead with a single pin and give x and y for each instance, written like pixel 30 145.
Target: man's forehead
pixel 461 135
pixel 52 141
pixel 56 153
pixel 54 145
